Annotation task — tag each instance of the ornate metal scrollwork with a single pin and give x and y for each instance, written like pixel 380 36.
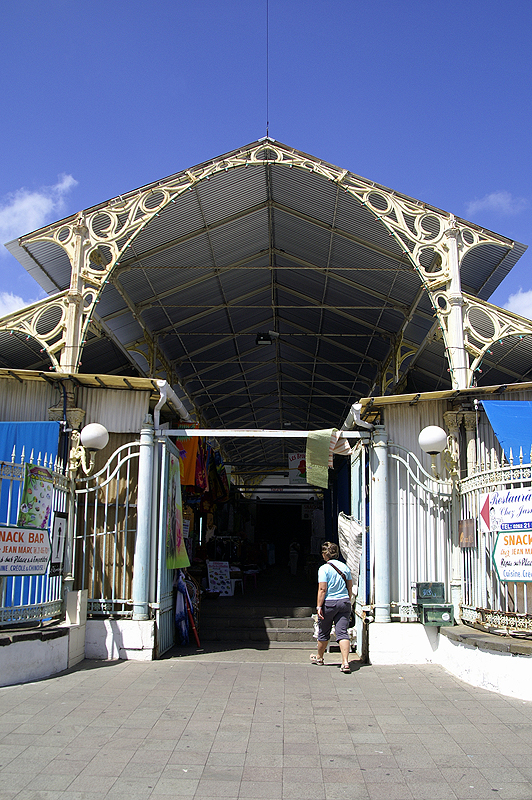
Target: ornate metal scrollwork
pixel 97 239
pixel 485 324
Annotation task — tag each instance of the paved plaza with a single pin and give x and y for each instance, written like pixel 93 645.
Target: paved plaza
pixel 262 724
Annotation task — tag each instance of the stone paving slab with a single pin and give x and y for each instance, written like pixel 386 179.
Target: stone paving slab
pixel 255 724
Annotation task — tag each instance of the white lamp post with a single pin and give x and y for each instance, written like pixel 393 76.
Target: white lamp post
pixel 433 440
pixel 92 437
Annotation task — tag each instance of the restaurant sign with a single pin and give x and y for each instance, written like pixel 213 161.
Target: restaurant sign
pixel 23 551
pixel 508 513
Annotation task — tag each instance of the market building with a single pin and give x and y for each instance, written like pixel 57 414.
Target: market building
pixel 237 307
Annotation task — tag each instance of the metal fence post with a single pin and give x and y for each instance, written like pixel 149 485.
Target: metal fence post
pixel 141 562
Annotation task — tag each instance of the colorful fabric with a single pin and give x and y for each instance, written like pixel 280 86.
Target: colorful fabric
pixel 188 452
pixel 176 553
pixel 181 611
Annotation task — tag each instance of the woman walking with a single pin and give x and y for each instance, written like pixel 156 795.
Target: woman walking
pixel 334 604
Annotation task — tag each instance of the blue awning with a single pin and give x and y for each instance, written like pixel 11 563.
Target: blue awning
pixel 512 422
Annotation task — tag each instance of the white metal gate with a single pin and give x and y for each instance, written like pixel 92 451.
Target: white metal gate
pixel 104 533
pixel 420 528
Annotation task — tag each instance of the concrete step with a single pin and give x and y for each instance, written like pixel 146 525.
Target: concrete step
pixel 213 610
pixel 229 634
pixel 246 627
pixel 289 622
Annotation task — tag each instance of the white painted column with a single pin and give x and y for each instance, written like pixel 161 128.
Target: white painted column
pixel 458 358
pixel 141 561
pixel 380 530
pixel 452 422
pixel 470 425
pixel 69 360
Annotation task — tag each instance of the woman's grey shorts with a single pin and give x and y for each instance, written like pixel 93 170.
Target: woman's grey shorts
pixel 337 611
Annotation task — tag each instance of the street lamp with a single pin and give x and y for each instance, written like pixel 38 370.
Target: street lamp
pixel 433 441
pixel 92 437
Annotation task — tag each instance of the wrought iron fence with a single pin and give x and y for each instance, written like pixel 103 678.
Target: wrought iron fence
pixel 488 601
pixel 30 598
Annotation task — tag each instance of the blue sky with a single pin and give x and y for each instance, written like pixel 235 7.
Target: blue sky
pixel 432 99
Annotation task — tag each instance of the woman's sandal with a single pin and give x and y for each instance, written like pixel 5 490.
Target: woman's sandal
pixel 315 660
pixel 345 668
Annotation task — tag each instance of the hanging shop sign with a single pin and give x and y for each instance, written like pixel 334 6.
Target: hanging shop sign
pixel 512 555
pixel 508 513
pixel 467 533
pixel 506 510
pixel 58 543
pixel 297 468
pixel 36 501
pixel 23 551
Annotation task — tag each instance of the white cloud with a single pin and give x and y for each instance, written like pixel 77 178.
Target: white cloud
pixel 24 211
pixel 499 202
pixel 10 302
pixel 520 303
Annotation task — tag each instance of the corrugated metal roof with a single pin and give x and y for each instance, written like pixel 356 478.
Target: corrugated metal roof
pixel 271 248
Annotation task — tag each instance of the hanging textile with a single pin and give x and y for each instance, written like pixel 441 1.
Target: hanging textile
pixel 511 421
pixel 176 552
pixel 188 452
pixel 201 482
pixel 41 438
pixel 321 447
pixel 181 610
pixel 350 539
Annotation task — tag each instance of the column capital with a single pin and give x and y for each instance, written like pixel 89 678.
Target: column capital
pixel 452 421
pixel 470 420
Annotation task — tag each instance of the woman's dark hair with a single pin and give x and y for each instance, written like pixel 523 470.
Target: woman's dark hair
pixel 329 550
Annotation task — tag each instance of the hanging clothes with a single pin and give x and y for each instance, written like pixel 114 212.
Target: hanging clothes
pixel 188 452
pixel 181 611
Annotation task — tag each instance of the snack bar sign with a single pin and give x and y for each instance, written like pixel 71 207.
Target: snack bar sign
pixel 509 514
pixel 23 551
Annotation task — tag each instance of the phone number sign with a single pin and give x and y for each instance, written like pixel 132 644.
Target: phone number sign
pixel 512 555
pixel 23 551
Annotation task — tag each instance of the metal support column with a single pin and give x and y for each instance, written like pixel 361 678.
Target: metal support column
pixel 458 358
pixel 380 532
pixel 141 562
pixel 452 422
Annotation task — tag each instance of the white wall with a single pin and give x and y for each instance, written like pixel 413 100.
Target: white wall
pixel 413 643
pixel 126 639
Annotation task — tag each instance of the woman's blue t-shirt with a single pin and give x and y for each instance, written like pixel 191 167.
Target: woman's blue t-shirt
pixel 336 588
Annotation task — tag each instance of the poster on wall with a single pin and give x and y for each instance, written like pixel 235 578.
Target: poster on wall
pixel 297 468
pixel 58 543
pixel 219 577
pixel 508 513
pixel 23 551
pixel 36 500
pixel 176 552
